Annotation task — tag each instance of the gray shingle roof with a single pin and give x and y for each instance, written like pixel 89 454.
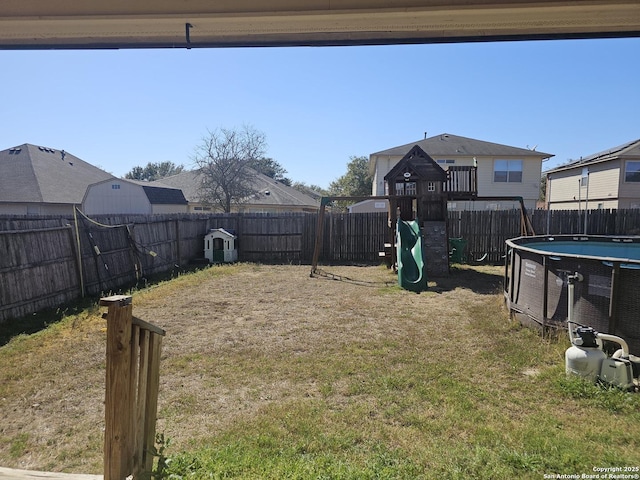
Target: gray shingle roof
pixel 629 149
pixel 446 145
pixel 164 195
pixel 33 174
pixel 278 193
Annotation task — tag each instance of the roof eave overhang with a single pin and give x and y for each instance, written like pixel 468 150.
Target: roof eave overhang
pixel 585 163
pixel 42 24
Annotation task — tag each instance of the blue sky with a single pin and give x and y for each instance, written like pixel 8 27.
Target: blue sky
pixel 319 106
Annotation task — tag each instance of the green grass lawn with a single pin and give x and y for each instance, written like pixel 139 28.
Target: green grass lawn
pixel 490 401
pixel 337 385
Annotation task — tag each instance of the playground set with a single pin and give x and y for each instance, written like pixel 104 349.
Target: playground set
pixel 419 190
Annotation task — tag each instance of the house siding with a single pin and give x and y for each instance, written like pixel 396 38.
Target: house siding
pixel 629 192
pixel 565 192
pixel 369 206
pixel 603 181
pixel 168 208
pixel 35 209
pixel 528 189
pixel 127 198
pixel 384 164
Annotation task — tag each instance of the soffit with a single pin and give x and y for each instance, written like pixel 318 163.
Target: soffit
pixel 35 24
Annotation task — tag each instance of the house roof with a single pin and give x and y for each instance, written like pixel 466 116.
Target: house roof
pixel 447 145
pixel 269 191
pixel 629 149
pixel 419 162
pixel 164 195
pixel 33 174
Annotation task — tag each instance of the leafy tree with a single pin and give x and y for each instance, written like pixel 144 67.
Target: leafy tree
pixel 543 188
pixel 227 159
pixel 154 171
pixel 271 168
pixel 356 182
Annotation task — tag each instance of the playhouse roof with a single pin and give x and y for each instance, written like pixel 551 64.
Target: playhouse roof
pixel 419 163
pixel 219 233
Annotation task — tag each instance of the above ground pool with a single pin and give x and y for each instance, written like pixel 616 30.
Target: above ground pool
pixel 608 297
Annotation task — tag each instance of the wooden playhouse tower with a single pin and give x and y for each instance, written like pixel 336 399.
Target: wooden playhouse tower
pixel 419 189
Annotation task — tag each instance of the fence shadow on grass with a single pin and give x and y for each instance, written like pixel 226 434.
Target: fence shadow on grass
pixel 40 320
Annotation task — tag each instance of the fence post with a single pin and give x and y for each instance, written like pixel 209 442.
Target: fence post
pixel 118 411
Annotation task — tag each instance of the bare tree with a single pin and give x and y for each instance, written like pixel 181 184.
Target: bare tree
pixel 226 160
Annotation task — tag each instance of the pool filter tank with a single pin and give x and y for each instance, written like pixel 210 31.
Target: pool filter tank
pixel 586 357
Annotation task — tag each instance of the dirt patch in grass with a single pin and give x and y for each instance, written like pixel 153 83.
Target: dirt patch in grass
pixel 239 339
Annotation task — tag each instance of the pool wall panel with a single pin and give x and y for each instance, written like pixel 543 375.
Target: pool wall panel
pixel 546 303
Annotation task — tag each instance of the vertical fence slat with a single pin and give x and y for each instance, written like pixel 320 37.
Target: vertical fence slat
pixel 141 402
pixel 151 395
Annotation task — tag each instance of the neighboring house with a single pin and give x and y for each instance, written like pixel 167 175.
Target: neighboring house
pixel 502 171
pixel 43 181
pixel 271 197
pixel 609 179
pixel 368 206
pixel 119 196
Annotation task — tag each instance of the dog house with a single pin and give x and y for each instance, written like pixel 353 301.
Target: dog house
pixel 220 246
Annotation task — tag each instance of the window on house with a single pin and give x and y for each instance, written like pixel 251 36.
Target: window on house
pixel 584 179
pixel 431 186
pixel 410 188
pixel 400 188
pixel 632 171
pixel 115 186
pixel 507 171
pixel 447 161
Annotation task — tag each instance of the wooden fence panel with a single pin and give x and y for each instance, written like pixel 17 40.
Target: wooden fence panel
pixel 354 237
pixel 39 265
pixel 599 222
pixel 484 231
pixel 270 238
pixel 37 270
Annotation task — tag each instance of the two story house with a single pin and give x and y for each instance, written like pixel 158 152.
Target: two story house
pixel 608 179
pixel 502 170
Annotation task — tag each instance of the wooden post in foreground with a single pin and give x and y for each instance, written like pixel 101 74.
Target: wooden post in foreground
pixel 131 398
pixel 117 414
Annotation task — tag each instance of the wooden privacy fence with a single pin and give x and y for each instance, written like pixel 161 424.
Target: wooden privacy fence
pixel 598 222
pixel 484 232
pixel 48 262
pixel 131 390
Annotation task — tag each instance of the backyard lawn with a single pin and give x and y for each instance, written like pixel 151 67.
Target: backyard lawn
pixel 269 373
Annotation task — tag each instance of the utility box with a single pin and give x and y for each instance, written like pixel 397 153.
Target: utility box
pixel 220 246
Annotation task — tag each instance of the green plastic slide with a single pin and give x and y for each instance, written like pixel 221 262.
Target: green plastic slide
pixel 411 268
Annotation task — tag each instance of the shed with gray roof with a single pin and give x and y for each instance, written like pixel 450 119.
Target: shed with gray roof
pixel 120 196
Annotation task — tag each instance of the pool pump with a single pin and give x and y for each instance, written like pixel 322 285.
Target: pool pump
pixel 586 356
